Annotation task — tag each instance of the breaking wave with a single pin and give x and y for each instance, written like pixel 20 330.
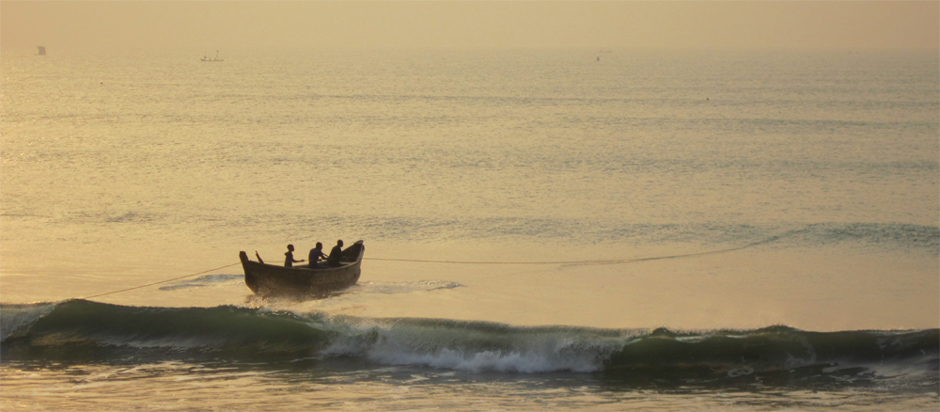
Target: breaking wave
pixel 86 331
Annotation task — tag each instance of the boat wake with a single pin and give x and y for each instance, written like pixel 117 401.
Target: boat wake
pixel 205 281
pixel 394 288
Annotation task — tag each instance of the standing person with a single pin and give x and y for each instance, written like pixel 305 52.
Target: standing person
pixel 315 255
pixel 289 260
pixel 335 254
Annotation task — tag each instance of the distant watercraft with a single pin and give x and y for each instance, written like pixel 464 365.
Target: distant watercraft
pixel 215 59
pixel 273 280
pixel 42 50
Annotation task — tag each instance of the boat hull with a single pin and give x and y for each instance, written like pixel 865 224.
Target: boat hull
pixel 271 280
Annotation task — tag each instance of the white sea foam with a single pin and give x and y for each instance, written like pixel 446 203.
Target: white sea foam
pixel 475 349
pixel 487 360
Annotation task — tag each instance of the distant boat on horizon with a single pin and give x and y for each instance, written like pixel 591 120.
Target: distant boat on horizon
pixel 206 58
pixel 42 51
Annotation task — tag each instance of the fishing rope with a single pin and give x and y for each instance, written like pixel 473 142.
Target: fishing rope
pixel 574 262
pixel 467 262
pixel 157 283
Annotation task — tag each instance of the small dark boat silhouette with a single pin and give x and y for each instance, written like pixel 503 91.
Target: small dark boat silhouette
pixel 303 281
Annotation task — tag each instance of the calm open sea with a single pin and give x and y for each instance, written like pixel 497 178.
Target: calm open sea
pixel 744 230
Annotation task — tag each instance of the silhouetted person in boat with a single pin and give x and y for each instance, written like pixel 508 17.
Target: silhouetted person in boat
pixel 315 255
pixel 336 254
pixel 289 260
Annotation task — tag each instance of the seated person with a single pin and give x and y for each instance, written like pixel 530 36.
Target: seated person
pixel 335 254
pixel 316 254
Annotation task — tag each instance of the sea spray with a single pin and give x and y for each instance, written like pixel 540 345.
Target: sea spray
pixel 478 346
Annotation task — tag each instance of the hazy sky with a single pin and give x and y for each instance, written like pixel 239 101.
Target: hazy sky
pixel 211 25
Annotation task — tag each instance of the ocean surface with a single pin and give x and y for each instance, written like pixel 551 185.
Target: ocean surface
pixel 544 230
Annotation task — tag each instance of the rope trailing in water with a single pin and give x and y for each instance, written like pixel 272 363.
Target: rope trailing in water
pixel 157 283
pixel 561 262
pixel 467 262
pixel 578 262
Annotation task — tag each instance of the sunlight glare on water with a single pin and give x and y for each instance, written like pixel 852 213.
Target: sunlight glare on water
pixel 691 191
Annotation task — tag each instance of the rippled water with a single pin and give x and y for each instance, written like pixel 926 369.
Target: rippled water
pixel 692 191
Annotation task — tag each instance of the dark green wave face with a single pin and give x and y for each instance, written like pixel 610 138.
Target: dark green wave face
pixel 776 356
pixel 89 332
pixel 85 330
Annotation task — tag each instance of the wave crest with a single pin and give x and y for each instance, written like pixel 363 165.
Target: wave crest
pixel 84 331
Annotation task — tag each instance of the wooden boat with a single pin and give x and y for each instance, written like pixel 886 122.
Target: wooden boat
pixel 302 280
